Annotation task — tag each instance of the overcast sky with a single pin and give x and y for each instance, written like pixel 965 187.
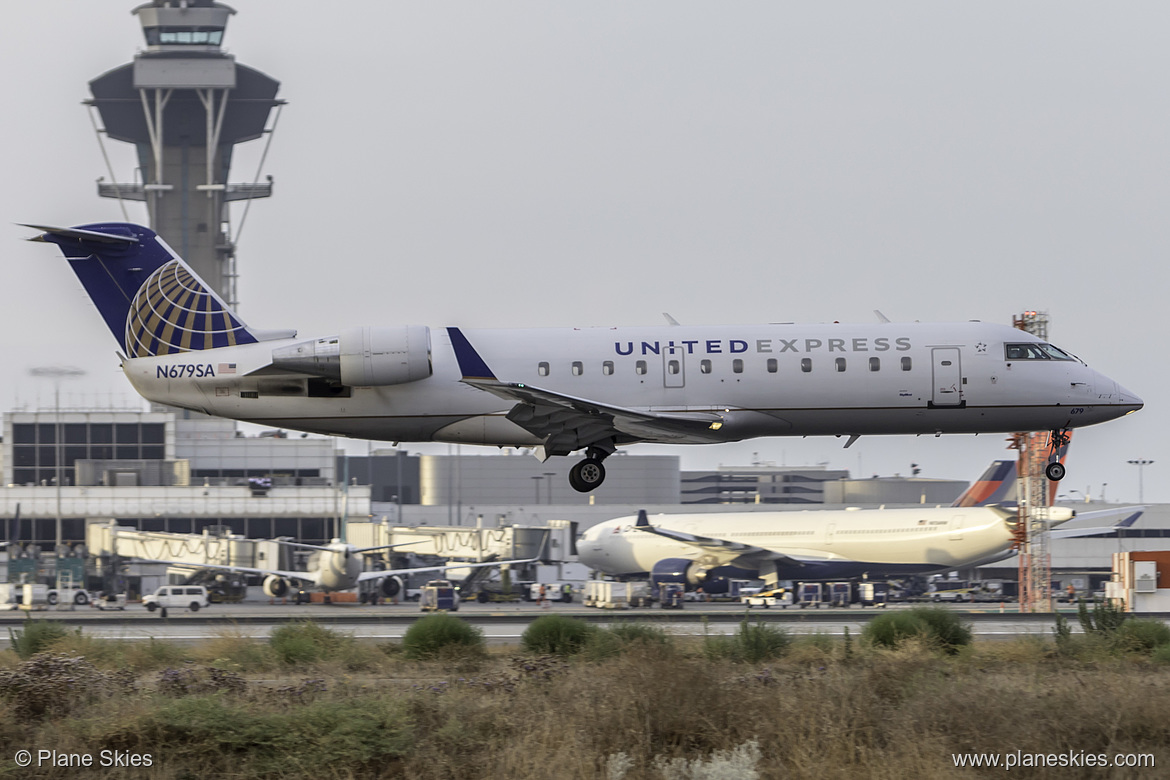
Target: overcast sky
pixel 574 164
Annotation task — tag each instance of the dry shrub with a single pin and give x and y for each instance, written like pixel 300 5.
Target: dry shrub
pixel 1017 650
pixel 230 648
pixel 887 714
pixel 811 650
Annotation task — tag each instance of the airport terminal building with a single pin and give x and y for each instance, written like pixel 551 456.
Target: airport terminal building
pixel 181 472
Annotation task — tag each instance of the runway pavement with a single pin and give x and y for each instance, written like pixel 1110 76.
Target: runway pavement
pixel 501 623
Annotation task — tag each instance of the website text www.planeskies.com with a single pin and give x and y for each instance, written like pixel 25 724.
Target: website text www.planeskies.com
pixel 1020 759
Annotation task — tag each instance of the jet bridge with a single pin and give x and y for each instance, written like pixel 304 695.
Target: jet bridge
pixel 552 543
pixel 107 541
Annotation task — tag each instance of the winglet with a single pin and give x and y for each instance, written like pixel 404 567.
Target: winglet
pixel 471 365
pixel 642 521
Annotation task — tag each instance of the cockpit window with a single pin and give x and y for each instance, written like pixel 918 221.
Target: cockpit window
pixel 1035 350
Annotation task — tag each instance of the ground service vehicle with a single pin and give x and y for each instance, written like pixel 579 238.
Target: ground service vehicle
pixel 776 597
pixel 439 595
pixel 192 597
pixel 873 594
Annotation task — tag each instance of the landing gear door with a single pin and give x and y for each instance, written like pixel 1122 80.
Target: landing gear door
pixel 673 366
pixel 948 377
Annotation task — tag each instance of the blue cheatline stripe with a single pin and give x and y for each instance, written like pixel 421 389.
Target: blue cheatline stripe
pixel 471 365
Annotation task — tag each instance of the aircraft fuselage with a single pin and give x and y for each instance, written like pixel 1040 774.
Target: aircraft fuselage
pixel 763 380
pixel 837 544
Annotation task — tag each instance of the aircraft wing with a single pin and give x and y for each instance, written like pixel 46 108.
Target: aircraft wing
pixel 726 548
pixel 1132 513
pixel 376 575
pixel 568 423
pixel 303 576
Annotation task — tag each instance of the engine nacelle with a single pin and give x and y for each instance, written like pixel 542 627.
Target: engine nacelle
pixel 363 357
pixel 688 572
pixel 276 587
pixel 390 587
pixel 385 356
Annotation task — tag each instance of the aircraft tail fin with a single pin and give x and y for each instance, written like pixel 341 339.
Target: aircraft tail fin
pixel 996 486
pixel 149 298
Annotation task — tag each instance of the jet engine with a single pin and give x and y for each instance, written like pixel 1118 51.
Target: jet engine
pixel 390 587
pixel 362 357
pixel 276 587
pixel 688 572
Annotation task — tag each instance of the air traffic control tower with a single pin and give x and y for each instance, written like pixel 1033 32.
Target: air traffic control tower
pixel 185 103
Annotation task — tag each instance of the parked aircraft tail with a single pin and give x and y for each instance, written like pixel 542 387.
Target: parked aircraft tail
pixel 997 485
pixel 150 299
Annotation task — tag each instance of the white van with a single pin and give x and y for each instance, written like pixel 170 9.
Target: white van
pixel 191 597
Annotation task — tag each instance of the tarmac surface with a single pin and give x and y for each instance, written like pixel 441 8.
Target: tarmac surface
pixel 502 624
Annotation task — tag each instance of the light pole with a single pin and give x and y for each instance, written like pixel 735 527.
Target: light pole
pixel 548 483
pixel 536 488
pixel 1141 463
pixel 57 373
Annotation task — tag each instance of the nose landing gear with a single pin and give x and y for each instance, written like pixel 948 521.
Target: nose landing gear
pixel 1057 441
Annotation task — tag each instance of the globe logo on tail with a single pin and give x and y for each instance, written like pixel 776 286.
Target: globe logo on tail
pixel 174 312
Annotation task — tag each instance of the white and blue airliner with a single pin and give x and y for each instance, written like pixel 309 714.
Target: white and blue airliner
pixel 566 390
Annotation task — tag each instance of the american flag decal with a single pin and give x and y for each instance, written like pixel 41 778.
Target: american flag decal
pixel 227 368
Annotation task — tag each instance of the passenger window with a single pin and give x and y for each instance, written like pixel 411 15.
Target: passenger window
pixel 578 368
pixel 840 364
pixel 905 364
pixel 704 366
pixel 875 364
pixel 542 369
pixel 806 365
pixel 773 366
pixel 607 367
pixel 672 366
pixel 640 367
pixel 737 365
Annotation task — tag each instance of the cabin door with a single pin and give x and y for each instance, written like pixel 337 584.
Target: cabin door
pixel 948 377
pixel 956 528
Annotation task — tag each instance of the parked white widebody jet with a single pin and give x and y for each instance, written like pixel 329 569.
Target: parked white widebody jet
pixel 338 566
pixel 564 390
pixel 707 549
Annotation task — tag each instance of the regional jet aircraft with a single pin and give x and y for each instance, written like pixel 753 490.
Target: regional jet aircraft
pixel 707 549
pixel 561 391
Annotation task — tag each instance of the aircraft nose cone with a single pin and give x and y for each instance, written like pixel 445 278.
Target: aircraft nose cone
pixel 1128 398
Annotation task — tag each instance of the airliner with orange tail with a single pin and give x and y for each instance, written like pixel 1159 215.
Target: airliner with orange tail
pixel 706 550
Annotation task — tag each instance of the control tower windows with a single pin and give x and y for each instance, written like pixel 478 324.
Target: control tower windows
pixel 183 36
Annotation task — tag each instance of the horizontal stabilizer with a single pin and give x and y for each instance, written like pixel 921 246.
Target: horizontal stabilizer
pixel 1128 514
pixel 80 235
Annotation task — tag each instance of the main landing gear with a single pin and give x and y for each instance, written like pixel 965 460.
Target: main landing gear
pixel 1057 441
pixel 587 476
